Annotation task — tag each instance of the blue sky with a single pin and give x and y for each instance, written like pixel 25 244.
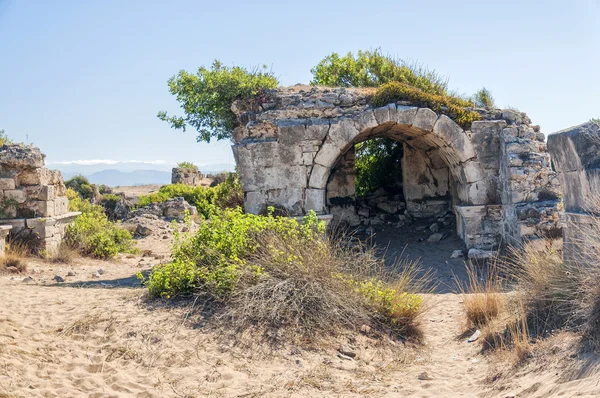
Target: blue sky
pixel 84 79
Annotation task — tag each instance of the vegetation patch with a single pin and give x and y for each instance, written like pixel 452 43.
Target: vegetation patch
pixel 187 166
pixel 282 276
pixel 208 200
pixel 93 234
pixel 453 107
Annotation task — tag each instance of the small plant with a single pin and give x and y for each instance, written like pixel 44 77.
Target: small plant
pixel 4 139
pixel 187 166
pixel 64 255
pixel 14 257
pixel 483 98
pixel 482 296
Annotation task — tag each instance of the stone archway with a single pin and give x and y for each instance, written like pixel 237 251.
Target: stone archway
pixel 500 170
pixel 426 135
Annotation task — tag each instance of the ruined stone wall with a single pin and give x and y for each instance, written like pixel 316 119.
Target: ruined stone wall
pixel 32 198
pixel 576 156
pixel 189 177
pixel 292 151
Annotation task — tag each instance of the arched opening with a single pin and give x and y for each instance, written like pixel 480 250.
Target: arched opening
pixel 412 214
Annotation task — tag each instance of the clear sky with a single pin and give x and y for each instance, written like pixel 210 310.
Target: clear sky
pixel 84 79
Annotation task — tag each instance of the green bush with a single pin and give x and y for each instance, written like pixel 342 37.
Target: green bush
pixel 187 166
pixel 214 258
pixel 483 98
pixel 206 97
pixel 372 69
pixel 208 200
pixel 82 186
pixel 378 164
pixel 453 107
pixel 92 233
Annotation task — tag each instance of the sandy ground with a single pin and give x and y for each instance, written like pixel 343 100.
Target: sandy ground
pixel 139 190
pixel 96 335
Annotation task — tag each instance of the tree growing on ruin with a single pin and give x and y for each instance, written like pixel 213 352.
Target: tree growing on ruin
pixel 206 97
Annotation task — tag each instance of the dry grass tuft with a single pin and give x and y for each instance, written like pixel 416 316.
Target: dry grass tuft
pixel 482 296
pixel 321 288
pixel 15 258
pixel 64 255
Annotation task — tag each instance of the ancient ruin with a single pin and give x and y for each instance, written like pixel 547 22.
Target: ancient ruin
pixel 295 151
pixel 33 200
pixel 186 176
pixel 575 152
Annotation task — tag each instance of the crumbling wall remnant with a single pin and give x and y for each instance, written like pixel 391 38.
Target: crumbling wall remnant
pixel 186 176
pixel 32 198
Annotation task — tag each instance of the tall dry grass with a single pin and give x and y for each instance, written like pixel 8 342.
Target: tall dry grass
pixel 321 288
pixel 15 257
pixel 482 295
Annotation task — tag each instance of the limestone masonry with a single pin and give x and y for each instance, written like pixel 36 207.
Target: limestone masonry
pixel 32 198
pixel 295 151
pixel 189 177
pixel 576 154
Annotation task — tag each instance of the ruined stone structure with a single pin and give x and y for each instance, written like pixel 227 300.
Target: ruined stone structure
pixel 32 198
pixel 576 155
pixel 296 151
pixel 191 177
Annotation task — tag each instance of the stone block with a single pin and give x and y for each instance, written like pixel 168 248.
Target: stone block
pixel 365 121
pixel 405 115
pixel 17 195
pixel 41 208
pixel 255 202
pixel 319 176
pixel 425 119
pixel 314 200
pixel 40 192
pixel 316 129
pixel 39 176
pixel 291 132
pixel 61 206
pixel 287 198
pixel 447 129
pixel 383 115
pixel 7 183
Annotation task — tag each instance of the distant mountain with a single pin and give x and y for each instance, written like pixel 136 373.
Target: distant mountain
pixel 115 177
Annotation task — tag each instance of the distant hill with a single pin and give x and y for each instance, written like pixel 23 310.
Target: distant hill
pixel 116 178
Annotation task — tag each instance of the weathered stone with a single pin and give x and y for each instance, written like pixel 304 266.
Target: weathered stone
pixel 7 183
pixel 435 237
pixel 187 176
pixel 425 119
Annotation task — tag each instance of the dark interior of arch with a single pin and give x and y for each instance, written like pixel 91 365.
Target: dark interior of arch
pixel 422 186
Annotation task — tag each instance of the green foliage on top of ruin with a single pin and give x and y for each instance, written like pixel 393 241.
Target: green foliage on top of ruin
pixel 372 68
pixel 453 107
pixel 206 97
pixel 187 166
pixel 4 138
pixel 483 98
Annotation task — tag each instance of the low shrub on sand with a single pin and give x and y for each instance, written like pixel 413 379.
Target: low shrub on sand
pixel 279 275
pixel 15 258
pixel 482 295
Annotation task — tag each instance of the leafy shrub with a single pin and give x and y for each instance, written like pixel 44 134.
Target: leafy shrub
pixel 453 107
pixel 187 166
pixel 92 233
pixel 82 186
pixel 278 273
pixel 372 69
pixel 208 113
pixel 208 200
pixel 378 164
pixel 483 98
